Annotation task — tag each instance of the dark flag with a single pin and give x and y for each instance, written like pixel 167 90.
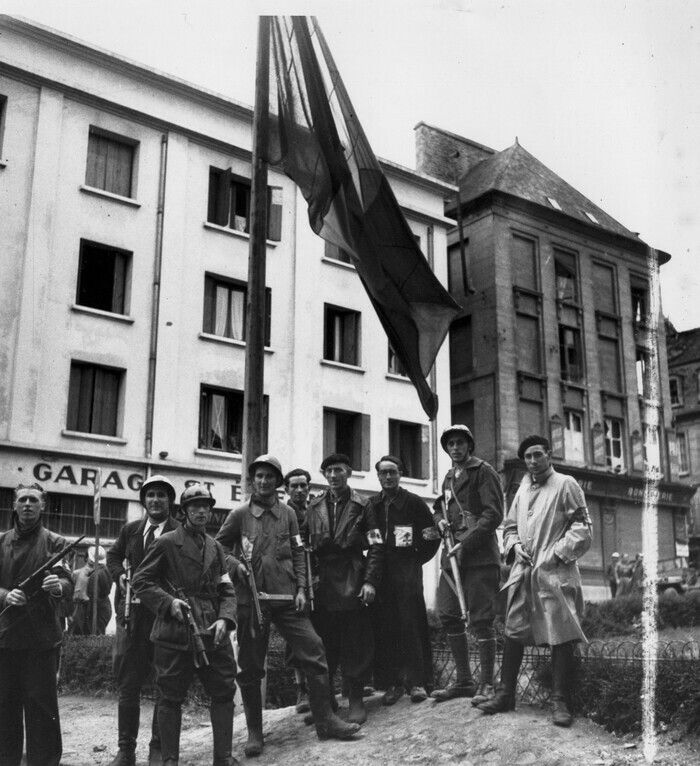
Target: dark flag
pixel 319 143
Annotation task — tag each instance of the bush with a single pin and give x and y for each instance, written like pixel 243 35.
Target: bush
pixel 86 665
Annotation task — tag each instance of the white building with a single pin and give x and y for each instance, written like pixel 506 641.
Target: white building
pixel 124 200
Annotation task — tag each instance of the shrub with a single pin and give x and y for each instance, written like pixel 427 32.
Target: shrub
pixel 616 617
pixel 86 664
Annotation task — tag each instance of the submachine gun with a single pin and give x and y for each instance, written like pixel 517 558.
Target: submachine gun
pixel 31 585
pixel 199 653
pixel 248 561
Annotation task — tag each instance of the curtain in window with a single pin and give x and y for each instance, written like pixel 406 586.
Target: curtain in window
pixel 237 314
pixel 217 421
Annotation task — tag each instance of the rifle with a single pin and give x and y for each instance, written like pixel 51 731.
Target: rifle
pixel 127 596
pixel 31 585
pixel 199 653
pixel 455 582
pixel 248 560
pixel 309 577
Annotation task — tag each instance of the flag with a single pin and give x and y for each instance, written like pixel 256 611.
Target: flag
pixel 319 143
pixel 97 496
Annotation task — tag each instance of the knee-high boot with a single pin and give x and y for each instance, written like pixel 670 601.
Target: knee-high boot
pixel 328 725
pixel 128 729
pixel 562 668
pixel 221 716
pixel 252 705
pixel 487 656
pixel 169 722
pixel 463 685
pixel 505 694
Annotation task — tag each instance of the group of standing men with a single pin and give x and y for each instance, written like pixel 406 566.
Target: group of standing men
pixel 339 575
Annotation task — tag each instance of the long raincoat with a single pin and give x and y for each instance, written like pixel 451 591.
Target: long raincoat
pixel 544 600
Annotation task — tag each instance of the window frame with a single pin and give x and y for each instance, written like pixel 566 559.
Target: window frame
pixel 568 415
pixel 683 453
pixel 418 456
pixel 560 257
pixel 74 415
pixel 126 256
pixel 679 400
pixel 565 349
pixel 229 394
pixel 209 305
pixel 394 362
pixel 357 427
pixel 614 464
pixel 338 339
pixel 114 138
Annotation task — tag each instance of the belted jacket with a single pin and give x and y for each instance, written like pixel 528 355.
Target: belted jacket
pixel 175 567
pixel 269 537
pixel 473 503
pixel 36 625
pixel 343 567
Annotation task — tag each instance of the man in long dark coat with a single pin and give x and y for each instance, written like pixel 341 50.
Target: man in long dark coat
pixel 30 633
pixel 403 659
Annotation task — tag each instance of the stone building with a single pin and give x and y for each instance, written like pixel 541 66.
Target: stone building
pixel 556 338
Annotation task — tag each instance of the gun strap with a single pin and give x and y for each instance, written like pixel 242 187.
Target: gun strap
pixel 450 582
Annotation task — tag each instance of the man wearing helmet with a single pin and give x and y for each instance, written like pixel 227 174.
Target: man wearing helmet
pixel 265 532
pixel 133 650
pixel 184 581
pixel 471 504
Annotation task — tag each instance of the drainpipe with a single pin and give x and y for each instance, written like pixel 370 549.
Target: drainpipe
pixel 155 303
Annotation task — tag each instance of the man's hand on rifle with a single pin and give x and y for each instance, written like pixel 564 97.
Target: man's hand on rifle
pixel 220 631
pixel 300 600
pixel 242 569
pixel 178 607
pixel 122 582
pixel 367 594
pixel 16 597
pixel 51 584
pixel 442 525
pixel 522 555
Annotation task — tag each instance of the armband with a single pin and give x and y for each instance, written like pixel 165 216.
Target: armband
pixel 374 537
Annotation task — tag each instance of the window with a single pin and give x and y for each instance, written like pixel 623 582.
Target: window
pixel 604 288
pixel 554 203
pixel 110 163
pixel 524 258
pixel 527 340
pixel 457 272
pixel 565 272
pixel 395 366
pixel 530 417
pixel 676 389
pixel 591 217
pixel 225 308
pixel 570 354
pixel 347 433
pixel 639 290
pixel 93 399
pixel 573 437
pixel 229 203
pixel 102 277
pixel 221 419
pixel 72 515
pixel 614 453
pixel 463 412
pixel 683 453
pixel 407 442
pixel 336 253
pixel 461 350
pixel 341 335
pixel 609 359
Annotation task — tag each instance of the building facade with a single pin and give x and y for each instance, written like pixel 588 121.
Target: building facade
pixel 684 387
pixel 124 196
pixel 555 338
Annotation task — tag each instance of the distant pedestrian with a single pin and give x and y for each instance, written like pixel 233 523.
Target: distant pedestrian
pixel 638 573
pixel 84 595
pixel 546 530
pixel 611 573
pixel 624 570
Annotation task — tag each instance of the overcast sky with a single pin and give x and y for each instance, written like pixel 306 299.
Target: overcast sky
pixel 605 93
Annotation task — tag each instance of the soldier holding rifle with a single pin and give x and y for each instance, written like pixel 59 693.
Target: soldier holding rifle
pixel 184 581
pixel 267 555
pixel 470 508
pixel 30 632
pixel 133 650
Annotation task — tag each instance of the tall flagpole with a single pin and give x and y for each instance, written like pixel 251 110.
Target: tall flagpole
pixel 255 300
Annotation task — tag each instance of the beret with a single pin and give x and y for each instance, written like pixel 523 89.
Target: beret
pixel 530 441
pixel 336 457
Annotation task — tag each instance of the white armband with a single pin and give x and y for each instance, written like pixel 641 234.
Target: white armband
pixel 374 537
pixel 225 578
pixel 296 541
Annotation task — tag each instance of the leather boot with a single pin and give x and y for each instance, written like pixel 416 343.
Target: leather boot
pixel 487 656
pixel 505 693
pixel 169 721
pixel 128 729
pixel 155 757
pixel 221 716
pixel 357 711
pixel 252 704
pixel 332 701
pixel 302 705
pixel 562 666
pixel 463 685
pixel 328 725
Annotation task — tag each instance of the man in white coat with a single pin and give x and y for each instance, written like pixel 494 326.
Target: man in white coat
pixel 546 530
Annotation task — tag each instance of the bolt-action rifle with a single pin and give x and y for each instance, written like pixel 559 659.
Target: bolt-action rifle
pixel 127 596
pixel 309 577
pixel 248 561
pixel 199 653
pixel 31 585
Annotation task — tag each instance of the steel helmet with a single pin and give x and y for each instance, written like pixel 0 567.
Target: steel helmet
pixel 152 481
pixel 272 462
pixel 196 492
pixel 460 430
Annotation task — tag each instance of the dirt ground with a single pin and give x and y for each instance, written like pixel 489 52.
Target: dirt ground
pixel 449 733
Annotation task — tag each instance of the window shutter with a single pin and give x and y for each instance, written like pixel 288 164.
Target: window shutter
pixel 268 314
pixel 274 213
pixel 363 443
pixel 424 452
pixel 209 290
pixel 328 433
pixel 118 284
pixel 223 197
pixel 73 398
pixel 351 332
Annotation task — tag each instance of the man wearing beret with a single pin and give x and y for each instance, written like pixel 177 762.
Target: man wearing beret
pixel 262 535
pixel 342 526
pixel 547 529
pixel 471 504
pixel 403 660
